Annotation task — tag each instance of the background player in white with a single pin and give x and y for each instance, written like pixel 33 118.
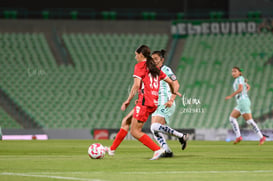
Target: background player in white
pixel 161 116
pixel 243 106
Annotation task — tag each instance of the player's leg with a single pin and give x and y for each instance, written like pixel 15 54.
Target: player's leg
pixel 159 137
pixel 160 119
pixel 136 132
pixel 246 112
pixel 250 121
pixel 235 126
pixel 125 125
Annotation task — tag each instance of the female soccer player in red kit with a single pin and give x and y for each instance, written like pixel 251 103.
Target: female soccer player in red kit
pixel 147 81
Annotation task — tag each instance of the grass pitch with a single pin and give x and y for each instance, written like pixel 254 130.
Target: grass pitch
pixel 68 160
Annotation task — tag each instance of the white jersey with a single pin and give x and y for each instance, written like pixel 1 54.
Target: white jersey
pixel 164 89
pixel 242 95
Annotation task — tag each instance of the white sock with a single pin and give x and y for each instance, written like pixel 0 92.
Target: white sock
pixel 166 130
pixel 162 141
pixel 255 127
pixel 235 126
pixel 159 137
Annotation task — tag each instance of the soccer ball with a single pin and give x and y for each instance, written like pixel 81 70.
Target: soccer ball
pixel 96 151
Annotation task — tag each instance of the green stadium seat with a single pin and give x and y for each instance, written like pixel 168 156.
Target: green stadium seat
pixel 254 14
pixel 45 14
pixel 149 15
pixel 109 15
pixel 74 14
pixel 10 14
pixel 216 15
pixel 180 16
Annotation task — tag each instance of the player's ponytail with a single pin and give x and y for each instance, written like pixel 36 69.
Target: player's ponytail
pixel 152 67
pixel 163 52
pixel 160 53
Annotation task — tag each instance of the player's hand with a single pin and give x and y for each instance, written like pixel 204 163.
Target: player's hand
pixel 125 105
pixel 178 93
pixel 169 103
pixel 228 97
pixel 136 101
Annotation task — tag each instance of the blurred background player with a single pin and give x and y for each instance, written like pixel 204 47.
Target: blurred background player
pixel 162 115
pixel 146 75
pixel 243 106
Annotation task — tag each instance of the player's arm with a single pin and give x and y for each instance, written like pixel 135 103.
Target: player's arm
pixel 247 87
pixel 239 90
pixel 134 89
pixel 174 85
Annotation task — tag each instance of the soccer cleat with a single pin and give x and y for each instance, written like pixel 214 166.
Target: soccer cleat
pixel 167 154
pixel 109 151
pixel 183 141
pixel 238 140
pixel 157 154
pixel 262 140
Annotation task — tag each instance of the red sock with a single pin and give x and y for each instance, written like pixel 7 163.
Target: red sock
pixel 147 141
pixel 120 136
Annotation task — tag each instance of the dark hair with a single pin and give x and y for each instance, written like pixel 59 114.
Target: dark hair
pixel 160 53
pixel 145 50
pixel 237 68
pixel 240 70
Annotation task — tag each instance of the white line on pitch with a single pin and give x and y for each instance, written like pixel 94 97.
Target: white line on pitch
pixel 158 172
pixel 202 172
pixel 49 176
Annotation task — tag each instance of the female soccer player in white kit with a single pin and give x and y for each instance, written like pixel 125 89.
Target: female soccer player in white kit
pixel 161 117
pixel 243 106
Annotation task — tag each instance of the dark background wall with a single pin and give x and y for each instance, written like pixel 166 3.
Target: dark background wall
pixel 240 8
pixel 193 9
pixel 172 6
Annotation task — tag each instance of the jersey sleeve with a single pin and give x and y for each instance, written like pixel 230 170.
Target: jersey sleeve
pixel 241 80
pixel 162 75
pixel 170 74
pixel 139 71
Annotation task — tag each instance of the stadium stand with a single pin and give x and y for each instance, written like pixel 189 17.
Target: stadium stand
pixel 6 121
pixel 204 72
pixel 88 95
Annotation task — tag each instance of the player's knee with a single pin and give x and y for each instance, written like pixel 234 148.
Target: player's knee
pixel 155 127
pixel 133 132
pixel 250 122
pixel 124 124
pixel 125 127
pixel 232 119
pixel 126 121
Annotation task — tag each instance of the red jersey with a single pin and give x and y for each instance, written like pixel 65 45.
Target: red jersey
pixel 151 84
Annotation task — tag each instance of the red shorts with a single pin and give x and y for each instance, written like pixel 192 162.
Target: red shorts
pixel 141 112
